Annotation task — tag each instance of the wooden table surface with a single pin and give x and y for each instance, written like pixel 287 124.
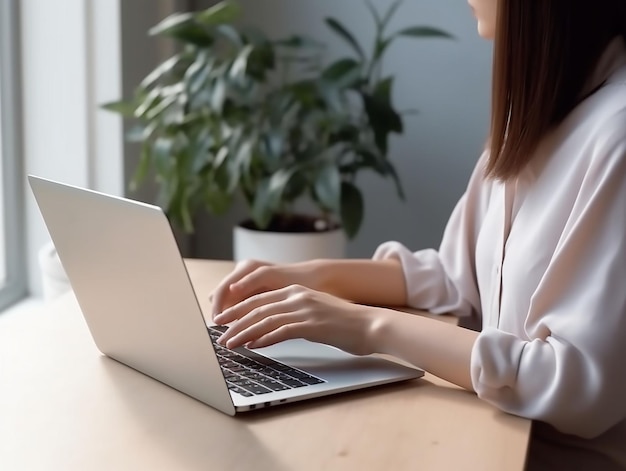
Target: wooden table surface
pixel 64 406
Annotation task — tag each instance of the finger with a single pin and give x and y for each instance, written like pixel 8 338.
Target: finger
pixel 241 309
pixel 284 332
pixel 223 292
pixel 264 327
pixel 257 281
pixel 264 317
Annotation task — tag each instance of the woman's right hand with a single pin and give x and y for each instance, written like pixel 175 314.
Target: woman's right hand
pixel 252 277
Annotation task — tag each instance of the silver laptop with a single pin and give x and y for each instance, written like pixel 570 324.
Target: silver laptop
pixel 135 294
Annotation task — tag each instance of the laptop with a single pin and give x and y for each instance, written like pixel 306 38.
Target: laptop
pixel 135 294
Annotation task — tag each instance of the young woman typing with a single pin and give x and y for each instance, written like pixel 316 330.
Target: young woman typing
pixel 535 249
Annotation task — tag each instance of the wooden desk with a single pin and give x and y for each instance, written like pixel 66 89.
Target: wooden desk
pixel 65 407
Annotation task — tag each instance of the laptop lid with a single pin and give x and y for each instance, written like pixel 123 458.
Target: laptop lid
pixel 139 304
pixel 133 288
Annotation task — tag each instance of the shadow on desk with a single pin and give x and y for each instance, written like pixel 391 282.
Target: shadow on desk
pixel 197 436
pixel 328 430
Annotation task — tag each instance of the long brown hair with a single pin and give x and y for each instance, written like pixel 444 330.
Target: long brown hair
pixel 544 52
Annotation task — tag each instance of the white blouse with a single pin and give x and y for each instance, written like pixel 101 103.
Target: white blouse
pixel 542 262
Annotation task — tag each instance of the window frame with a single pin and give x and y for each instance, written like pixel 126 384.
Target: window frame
pixel 15 285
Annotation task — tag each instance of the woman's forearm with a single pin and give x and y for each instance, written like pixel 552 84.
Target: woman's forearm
pixel 442 349
pixel 377 283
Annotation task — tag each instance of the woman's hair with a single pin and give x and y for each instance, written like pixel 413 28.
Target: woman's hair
pixel 545 51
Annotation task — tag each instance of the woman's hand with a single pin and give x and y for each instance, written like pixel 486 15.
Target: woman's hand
pixel 369 282
pixel 299 312
pixel 252 277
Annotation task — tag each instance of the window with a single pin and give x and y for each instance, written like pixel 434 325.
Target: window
pixel 12 259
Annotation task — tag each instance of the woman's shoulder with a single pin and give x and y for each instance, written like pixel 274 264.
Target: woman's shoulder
pixel 593 135
pixel 598 124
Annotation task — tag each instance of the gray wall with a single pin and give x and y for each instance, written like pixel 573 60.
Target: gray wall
pixel 447 81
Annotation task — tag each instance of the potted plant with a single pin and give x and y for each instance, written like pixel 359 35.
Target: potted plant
pixel 235 113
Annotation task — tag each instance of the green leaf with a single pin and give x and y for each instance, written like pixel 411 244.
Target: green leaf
pixel 327 187
pixel 150 100
pixel 274 142
pixel 147 132
pixel 381 47
pixel 240 64
pixel 383 118
pixel 161 107
pixel 136 134
pixel 215 199
pixel 332 97
pixel 224 12
pixel 124 108
pixel 347 132
pixel 341 30
pixel 181 26
pixel 162 154
pixel 218 95
pixel 396 178
pixel 201 152
pixel 171 23
pixel 197 74
pixel 180 202
pixel 277 183
pixel 268 197
pixel 412 32
pixel 351 209
pixel 343 73
pixel 423 32
pixel 383 90
pixel 222 176
pixel 262 59
pixel 305 92
pixel 162 69
pixel 373 159
pixel 142 168
pixel 243 155
pixel 230 33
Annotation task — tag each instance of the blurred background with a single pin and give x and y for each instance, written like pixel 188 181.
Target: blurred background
pixel 64 59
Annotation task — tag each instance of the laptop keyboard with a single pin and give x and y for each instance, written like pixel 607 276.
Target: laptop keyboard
pixel 251 374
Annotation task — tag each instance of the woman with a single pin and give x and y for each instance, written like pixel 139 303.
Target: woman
pixel 535 249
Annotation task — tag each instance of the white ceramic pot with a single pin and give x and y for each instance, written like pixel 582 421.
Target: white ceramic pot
pixel 284 247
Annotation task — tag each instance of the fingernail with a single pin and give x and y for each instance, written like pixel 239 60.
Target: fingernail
pixel 218 317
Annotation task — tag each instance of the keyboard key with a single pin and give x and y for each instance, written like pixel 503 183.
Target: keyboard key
pixel 239 390
pixel 294 383
pixel 273 385
pixel 311 380
pixel 256 374
pixel 253 387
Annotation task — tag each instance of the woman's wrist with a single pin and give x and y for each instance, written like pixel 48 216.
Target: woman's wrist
pixel 322 277
pixel 373 334
pixel 364 281
pixel 438 347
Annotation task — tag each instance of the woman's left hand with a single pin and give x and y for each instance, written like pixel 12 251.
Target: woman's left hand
pixel 298 312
